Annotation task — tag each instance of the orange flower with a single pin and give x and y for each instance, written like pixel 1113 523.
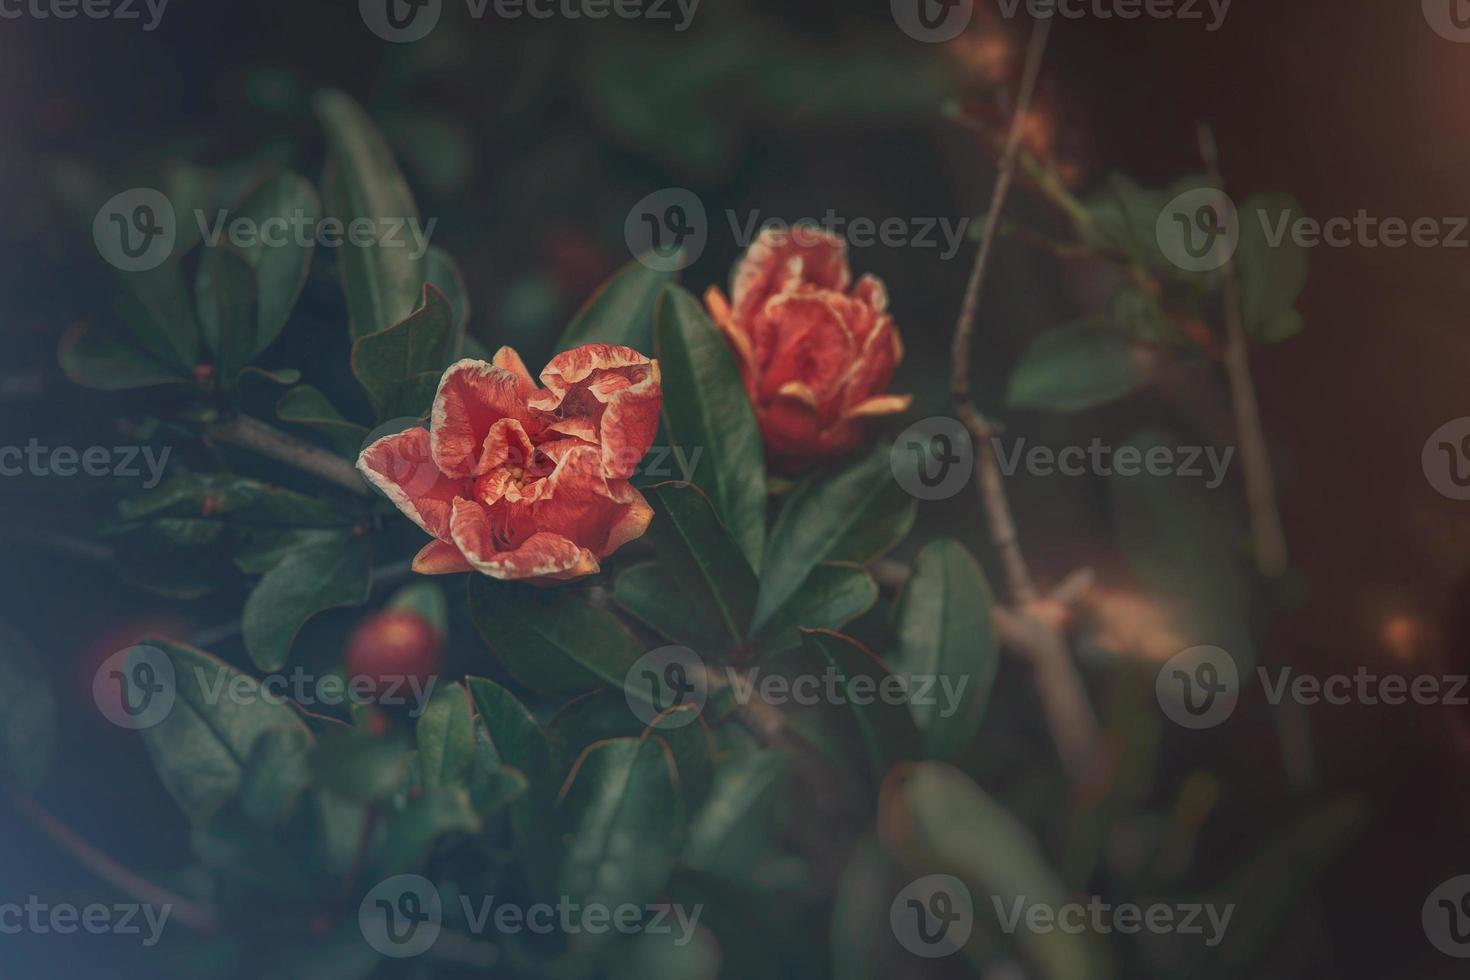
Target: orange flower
pixel 522 482
pixel 815 352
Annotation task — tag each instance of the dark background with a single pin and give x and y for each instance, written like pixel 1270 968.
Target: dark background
pixel 1347 105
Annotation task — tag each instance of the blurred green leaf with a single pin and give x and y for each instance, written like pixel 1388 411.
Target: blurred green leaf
pixel 280 267
pixel 98 358
pixel 277 775
pixel 707 411
pixel 225 291
pixel 624 821
pixel 382 284
pixel 1272 275
pixel 443 273
pixel 306 582
pixel 1078 367
pixel 446 737
pixel 945 634
pixel 157 307
pixel 202 745
pixel 426 818
pixel 621 311
pixel 360 766
pixel 729 833
pixel 874 696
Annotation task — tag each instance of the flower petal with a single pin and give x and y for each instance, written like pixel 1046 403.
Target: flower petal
pixel 880 405
pixel 779 259
pixel 815 347
pixel 440 558
pixel 544 555
pixel 508 360
pixel 472 397
pixel 403 467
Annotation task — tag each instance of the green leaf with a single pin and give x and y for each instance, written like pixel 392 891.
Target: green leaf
pixel 1272 277
pixel 1142 316
pixel 305 405
pixel 518 742
pixel 1283 327
pixel 833 595
pixel 852 513
pixel 620 312
pixel 1078 367
pixel 437 812
pixel 551 640
pixel 225 292
pixel 306 582
pixel 700 559
pixel 360 766
pixel 158 309
pixel 1183 542
pixel 729 833
pixel 96 358
pixel 875 697
pixel 382 284
pixel 277 775
pixel 655 595
pixel 281 267
pixel 203 744
pixel 446 737
pixel 624 820
pixel 427 599
pixel 27 712
pixel 400 367
pixel 942 823
pixel 443 273
pixel 863 945
pixel 945 632
pixel 707 411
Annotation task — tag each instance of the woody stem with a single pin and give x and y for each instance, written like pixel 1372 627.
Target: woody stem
pixel 256 436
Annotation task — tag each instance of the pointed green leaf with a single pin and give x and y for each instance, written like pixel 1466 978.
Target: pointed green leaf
pixel 97 358
pixel 875 697
pixel 401 366
pixel 225 292
pixel 706 411
pixel 305 405
pixel 851 513
pixel 518 742
pixel 446 737
pixel 620 312
pixel 834 594
pixel 945 633
pixel 286 209
pixel 382 284
pixel 1078 367
pixel 277 775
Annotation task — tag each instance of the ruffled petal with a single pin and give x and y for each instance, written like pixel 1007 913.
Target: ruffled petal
pixel 508 360
pixel 779 259
pixel 815 347
pixel 403 467
pixel 472 397
pixel 544 555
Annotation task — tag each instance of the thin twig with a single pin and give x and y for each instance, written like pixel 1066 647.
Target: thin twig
pixel 1260 481
pixel 192 914
pixel 1002 526
pixel 1027 626
pixel 255 435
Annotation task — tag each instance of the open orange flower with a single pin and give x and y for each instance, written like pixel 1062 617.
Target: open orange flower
pixel 523 482
pixel 816 353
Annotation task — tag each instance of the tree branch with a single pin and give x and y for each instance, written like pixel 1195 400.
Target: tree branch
pixel 256 436
pixel 1260 481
